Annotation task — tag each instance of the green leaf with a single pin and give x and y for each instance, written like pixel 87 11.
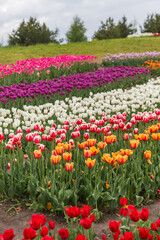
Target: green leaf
pixel 139 200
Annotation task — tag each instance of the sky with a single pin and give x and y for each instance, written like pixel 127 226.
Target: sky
pixel 60 13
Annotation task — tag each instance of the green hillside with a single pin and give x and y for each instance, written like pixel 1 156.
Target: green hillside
pixel 97 48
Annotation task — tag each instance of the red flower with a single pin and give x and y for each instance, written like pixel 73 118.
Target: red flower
pixel 143 233
pixel 150 236
pixel 44 231
pixel 63 233
pixel 73 212
pixel 48 238
pixel 158 222
pixel 81 237
pixel 37 221
pixel 134 215
pixel 104 237
pixel 116 235
pixel 52 225
pixel 29 233
pixel 8 234
pixel 154 227
pixel 123 201
pixel 128 236
pixel 1 237
pixel 123 211
pixel 114 226
pixel 85 211
pixel 158 237
pixel 86 223
pixel 144 214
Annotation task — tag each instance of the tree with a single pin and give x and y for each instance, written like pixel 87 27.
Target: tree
pixel 106 30
pixel 110 30
pixel 124 28
pixel 151 24
pixel 31 33
pixel 76 31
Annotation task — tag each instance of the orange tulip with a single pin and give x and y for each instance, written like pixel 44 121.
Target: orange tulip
pixel 102 145
pixel 90 142
pixel 69 166
pixel 134 143
pixel 90 163
pixel 127 152
pixel 107 185
pixel 49 184
pixel 110 139
pixel 59 149
pixel 67 156
pixel 122 159
pixel 156 136
pixel 37 153
pixel 147 154
pixel 67 146
pixel 142 137
pixel 55 159
pixel 94 150
pixel 107 158
pixel 153 129
pixel 49 206
pixel 81 145
pixel 87 153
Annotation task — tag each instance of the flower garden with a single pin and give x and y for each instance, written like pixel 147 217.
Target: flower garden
pixel 78 139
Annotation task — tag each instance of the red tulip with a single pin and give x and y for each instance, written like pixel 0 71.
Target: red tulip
pixel 73 212
pixel 143 233
pixel 63 233
pixel 52 225
pixel 8 234
pixel 86 223
pixel 134 215
pixel 81 237
pixel 144 214
pixel 114 226
pixel 29 233
pixel 85 211
pixel 44 231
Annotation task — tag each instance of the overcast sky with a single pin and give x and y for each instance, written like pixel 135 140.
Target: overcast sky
pixel 60 13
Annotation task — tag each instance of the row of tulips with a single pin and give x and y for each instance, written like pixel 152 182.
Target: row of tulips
pixel 49 90
pixel 125 229
pixel 129 59
pixel 71 164
pixel 154 66
pixel 130 100
pixel 32 70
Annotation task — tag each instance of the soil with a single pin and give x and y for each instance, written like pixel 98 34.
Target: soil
pixel 16 218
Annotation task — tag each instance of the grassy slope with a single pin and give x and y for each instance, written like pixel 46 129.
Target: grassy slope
pixel 96 48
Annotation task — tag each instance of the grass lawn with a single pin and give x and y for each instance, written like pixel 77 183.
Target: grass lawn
pixel 96 48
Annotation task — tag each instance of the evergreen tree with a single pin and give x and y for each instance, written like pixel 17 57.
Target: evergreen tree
pixel 31 33
pixel 76 31
pixel 110 30
pixel 151 24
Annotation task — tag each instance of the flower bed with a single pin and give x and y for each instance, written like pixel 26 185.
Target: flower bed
pixel 50 90
pixel 154 66
pixel 32 70
pixel 125 229
pixel 112 102
pixel 78 146
pixel 83 161
pixel 129 59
